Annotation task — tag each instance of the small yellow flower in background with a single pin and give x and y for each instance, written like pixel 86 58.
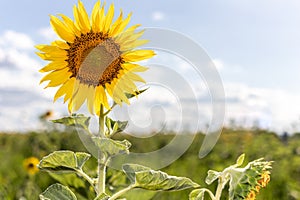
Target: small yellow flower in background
pixel 30 165
pixel 95 58
pixel 251 195
pixel 262 182
pixel 265 179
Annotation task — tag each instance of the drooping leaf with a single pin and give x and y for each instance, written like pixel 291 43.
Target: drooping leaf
pixel 57 192
pixel 197 194
pixel 64 161
pixel 212 176
pixel 75 120
pixel 112 147
pixel 146 178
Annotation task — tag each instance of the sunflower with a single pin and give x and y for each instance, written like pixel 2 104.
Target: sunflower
pixel 30 165
pixel 96 58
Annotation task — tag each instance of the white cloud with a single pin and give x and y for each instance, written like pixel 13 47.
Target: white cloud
pixel 158 16
pixel 48 33
pixel 273 108
pixel 16 40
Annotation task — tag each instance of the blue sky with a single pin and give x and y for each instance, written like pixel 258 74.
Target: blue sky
pixel 255 45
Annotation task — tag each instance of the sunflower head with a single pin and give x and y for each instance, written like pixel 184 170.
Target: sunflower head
pixel 95 58
pixel 30 165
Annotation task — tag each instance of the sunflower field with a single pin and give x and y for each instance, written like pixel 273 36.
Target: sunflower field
pixel 21 179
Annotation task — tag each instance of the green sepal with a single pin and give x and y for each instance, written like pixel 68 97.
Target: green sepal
pixel 197 194
pixel 63 161
pixel 75 120
pixel 112 147
pixel 146 178
pixel 136 93
pixel 57 192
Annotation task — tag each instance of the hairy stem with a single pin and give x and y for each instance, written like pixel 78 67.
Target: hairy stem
pixel 219 188
pixel 86 177
pixel 102 159
pixel 121 192
pixel 212 196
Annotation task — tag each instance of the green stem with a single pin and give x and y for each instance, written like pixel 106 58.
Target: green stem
pixel 102 158
pixel 110 108
pixel 85 176
pixel 212 196
pixel 219 188
pixel 121 192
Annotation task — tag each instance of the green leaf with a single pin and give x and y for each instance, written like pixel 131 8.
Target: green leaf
pixel 115 126
pixel 64 161
pixel 58 192
pixel 112 147
pixel 197 194
pixel 102 196
pixel 71 180
pixel 129 96
pixel 240 160
pixel 212 176
pixel 75 120
pixel 146 178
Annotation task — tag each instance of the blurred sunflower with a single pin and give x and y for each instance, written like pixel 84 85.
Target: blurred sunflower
pixel 30 165
pixel 94 59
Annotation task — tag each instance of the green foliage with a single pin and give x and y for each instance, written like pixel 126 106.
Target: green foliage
pixel 283 186
pixel 64 161
pixel 112 147
pixel 76 120
pixel 146 178
pixel 58 192
pixel 197 194
pixel 114 127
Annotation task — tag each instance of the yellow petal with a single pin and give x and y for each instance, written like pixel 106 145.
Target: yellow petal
pixel 138 55
pixel 135 77
pixel 109 18
pixel 90 98
pixel 60 44
pixel 70 90
pixel 61 29
pixel 122 25
pixel 52 56
pixel 120 93
pixel 65 88
pixel 62 78
pixel 83 17
pixel 134 67
pixel 58 74
pixel 110 90
pixel 80 97
pixel 132 28
pixel 127 46
pixel 95 18
pixel 52 50
pixel 101 19
pixel 116 24
pixel 70 24
pixel 55 65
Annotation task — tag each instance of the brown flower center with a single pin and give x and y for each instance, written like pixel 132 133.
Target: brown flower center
pixel 94 59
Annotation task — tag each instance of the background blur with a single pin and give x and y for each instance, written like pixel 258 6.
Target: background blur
pixel 255 46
